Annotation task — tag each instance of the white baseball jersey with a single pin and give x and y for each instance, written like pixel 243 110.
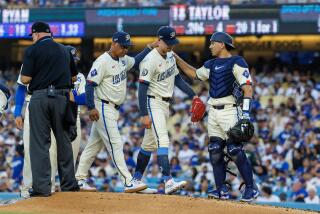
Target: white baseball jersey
pixel 160 72
pixel 111 77
pixel 3 101
pixel 80 86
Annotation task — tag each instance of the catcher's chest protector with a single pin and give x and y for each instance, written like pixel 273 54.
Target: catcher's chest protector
pixel 221 77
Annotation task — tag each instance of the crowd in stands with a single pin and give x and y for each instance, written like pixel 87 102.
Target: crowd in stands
pixel 135 3
pixel 284 153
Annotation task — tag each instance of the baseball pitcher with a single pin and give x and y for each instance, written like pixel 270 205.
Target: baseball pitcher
pixel 158 76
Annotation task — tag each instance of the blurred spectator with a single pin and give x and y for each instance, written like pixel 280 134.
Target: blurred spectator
pixel 312 196
pixel 267 196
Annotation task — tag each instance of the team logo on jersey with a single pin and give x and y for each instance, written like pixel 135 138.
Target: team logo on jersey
pixel 246 73
pixel 144 72
pixel 93 72
pixel 123 62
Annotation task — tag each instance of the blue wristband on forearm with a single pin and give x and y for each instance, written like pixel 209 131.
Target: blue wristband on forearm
pixel 19 99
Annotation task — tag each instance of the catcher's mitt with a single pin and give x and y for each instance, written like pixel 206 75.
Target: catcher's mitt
pixel 198 109
pixel 241 132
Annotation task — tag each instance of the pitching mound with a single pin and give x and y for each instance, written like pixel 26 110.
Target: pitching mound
pixel 96 203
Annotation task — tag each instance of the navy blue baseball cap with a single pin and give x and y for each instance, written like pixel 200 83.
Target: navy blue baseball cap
pixel 40 27
pixel 73 52
pixel 222 37
pixel 122 38
pixel 168 35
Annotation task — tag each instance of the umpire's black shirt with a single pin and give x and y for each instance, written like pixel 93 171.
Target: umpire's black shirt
pixel 43 62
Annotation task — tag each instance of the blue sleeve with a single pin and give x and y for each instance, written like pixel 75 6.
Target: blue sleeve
pixel 183 86
pixel 208 63
pixel 90 94
pixel 140 56
pixel 241 62
pixel 79 99
pixel 19 100
pixel 142 94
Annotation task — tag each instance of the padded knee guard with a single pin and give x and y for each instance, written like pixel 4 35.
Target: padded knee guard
pixel 215 149
pixel 235 151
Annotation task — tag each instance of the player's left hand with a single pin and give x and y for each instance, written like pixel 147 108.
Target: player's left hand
pixel 94 115
pixel 146 121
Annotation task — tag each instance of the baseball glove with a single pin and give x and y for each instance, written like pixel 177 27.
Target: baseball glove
pixel 198 109
pixel 241 132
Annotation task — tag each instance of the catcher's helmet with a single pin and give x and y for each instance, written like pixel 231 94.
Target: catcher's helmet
pixel 222 37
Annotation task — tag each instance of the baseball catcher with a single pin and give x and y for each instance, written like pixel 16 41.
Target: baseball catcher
pixel 228 123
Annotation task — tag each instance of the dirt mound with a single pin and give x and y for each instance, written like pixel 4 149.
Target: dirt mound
pixel 96 203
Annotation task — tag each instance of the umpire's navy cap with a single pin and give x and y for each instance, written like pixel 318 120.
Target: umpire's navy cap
pixel 168 35
pixel 73 52
pixel 122 38
pixel 222 37
pixel 40 27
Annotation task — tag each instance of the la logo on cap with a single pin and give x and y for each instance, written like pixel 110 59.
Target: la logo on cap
pixel 127 37
pixel 172 34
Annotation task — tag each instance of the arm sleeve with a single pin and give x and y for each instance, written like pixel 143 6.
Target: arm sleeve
pixel 241 72
pixel 27 68
pixel 97 72
pixel 130 61
pixel 203 72
pixel 140 56
pixel 19 99
pixel 183 86
pixel 142 94
pixel 80 99
pixel 90 94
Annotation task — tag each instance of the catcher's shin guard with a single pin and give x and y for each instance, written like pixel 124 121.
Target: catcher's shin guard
pixel 216 154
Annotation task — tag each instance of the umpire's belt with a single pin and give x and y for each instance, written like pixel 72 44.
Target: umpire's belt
pixel 166 99
pixel 220 107
pixel 107 102
pixel 56 91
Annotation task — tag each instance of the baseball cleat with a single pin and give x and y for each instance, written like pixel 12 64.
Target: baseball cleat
pixel 220 193
pixel 249 194
pixel 172 186
pixel 135 186
pixel 24 194
pixel 148 191
pixel 85 187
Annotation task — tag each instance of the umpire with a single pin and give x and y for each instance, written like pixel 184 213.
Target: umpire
pixel 48 68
